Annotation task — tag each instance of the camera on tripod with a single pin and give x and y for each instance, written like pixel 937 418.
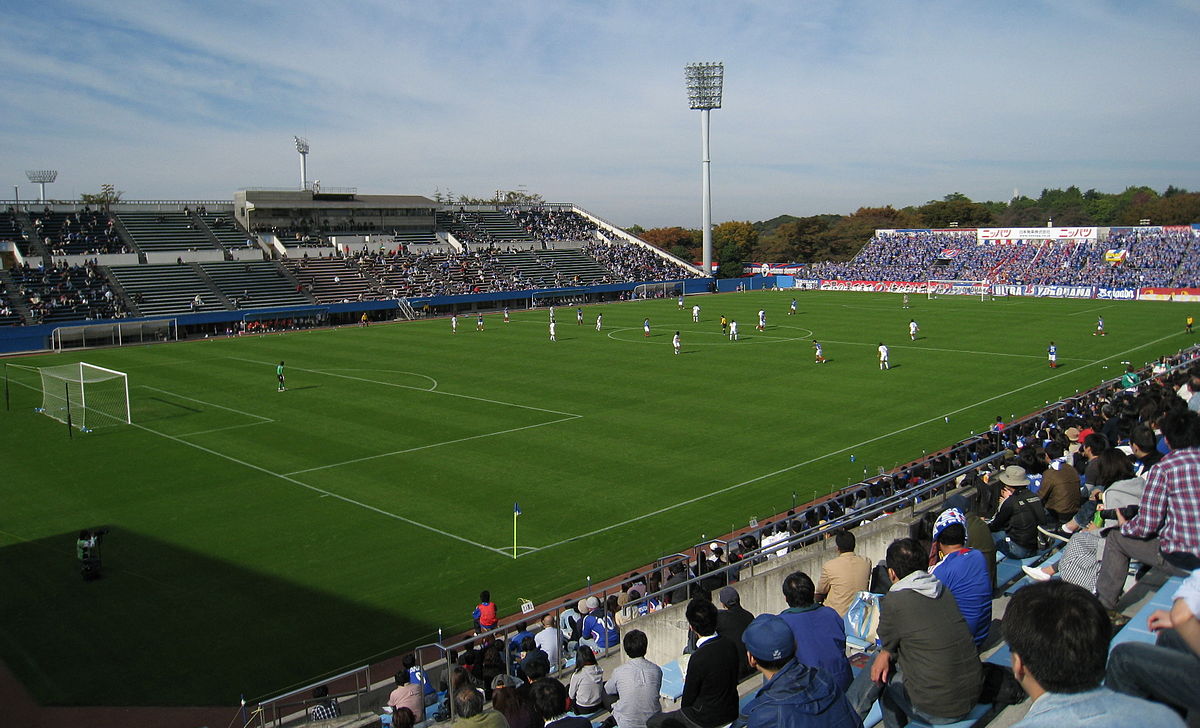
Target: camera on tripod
pixel 87 551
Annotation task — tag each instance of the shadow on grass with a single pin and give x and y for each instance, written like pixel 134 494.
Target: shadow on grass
pixel 168 626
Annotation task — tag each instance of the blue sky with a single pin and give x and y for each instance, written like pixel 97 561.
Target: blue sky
pixel 828 106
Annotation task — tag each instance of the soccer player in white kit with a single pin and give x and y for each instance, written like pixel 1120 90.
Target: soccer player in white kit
pixel 553 330
pixel 599 320
pixel 883 357
pixel 675 342
pixel 454 323
pixel 913 329
pixel 506 314
pixel 579 316
pixel 733 330
pixel 762 320
pixel 695 314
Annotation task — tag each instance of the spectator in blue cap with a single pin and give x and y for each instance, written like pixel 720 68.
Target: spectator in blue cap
pixel 794 695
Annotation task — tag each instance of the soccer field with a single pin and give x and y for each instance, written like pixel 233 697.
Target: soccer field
pixel 260 539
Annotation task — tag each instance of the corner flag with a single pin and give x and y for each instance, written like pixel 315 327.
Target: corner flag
pixel 516 512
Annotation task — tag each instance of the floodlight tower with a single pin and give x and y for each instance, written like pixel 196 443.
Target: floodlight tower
pixel 41 177
pixel 705 81
pixel 302 147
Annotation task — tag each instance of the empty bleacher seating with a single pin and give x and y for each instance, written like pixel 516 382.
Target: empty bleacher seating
pixel 226 229
pixel 166 289
pixel 254 284
pixel 172 230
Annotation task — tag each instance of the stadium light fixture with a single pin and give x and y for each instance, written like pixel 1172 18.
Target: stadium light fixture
pixel 705 84
pixel 302 147
pixel 42 177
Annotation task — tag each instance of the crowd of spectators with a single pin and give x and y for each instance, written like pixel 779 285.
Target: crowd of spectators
pixel 1154 257
pixel 636 262
pixel 83 232
pixel 553 225
pixel 66 292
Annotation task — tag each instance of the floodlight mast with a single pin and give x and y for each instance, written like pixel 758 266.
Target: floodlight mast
pixel 302 147
pixel 705 83
pixel 42 177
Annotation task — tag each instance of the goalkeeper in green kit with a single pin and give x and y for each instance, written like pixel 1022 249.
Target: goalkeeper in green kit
pixel 279 375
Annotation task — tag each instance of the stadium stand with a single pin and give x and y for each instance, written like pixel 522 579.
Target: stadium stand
pixel 167 289
pixel 82 232
pixel 65 293
pixel 10 306
pixel 226 229
pixel 1155 257
pixel 486 228
pixel 255 284
pixel 334 280
pixel 175 230
pixel 10 230
pixel 554 225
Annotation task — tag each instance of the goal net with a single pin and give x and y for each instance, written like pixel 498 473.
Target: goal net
pixel 980 289
pixel 115 333
pixel 88 395
pixel 658 290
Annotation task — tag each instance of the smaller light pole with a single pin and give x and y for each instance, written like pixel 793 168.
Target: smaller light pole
pixel 302 147
pixel 41 177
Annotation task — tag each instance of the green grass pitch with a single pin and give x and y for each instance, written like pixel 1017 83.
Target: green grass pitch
pixel 262 539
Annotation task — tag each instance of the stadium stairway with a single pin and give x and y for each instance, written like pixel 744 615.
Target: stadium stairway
pixel 28 241
pixel 8 294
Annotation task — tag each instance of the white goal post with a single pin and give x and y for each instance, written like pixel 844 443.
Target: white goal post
pixel 980 289
pixel 85 395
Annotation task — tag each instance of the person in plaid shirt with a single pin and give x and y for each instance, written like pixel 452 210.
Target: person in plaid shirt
pixel 1165 532
pixel 326 708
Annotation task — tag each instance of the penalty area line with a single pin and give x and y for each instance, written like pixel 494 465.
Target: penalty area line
pixel 810 461
pixel 323 492
pixel 415 389
pixel 432 445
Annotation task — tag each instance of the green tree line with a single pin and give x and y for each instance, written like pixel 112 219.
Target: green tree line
pixel 790 239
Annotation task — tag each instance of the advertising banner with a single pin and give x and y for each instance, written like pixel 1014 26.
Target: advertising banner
pixel 1169 294
pixel 996 235
pixel 1117 294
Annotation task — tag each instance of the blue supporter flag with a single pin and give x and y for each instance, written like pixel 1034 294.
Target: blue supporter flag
pixel 516 509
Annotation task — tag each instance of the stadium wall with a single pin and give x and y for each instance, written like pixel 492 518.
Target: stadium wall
pixel 762 590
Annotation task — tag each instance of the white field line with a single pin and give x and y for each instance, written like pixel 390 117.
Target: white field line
pixel 1091 310
pixel 432 445
pixel 415 389
pixel 848 448
pixel 315 489
pixel 322 491
pixel 958 351
pixel 222 429
pixel 207 404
